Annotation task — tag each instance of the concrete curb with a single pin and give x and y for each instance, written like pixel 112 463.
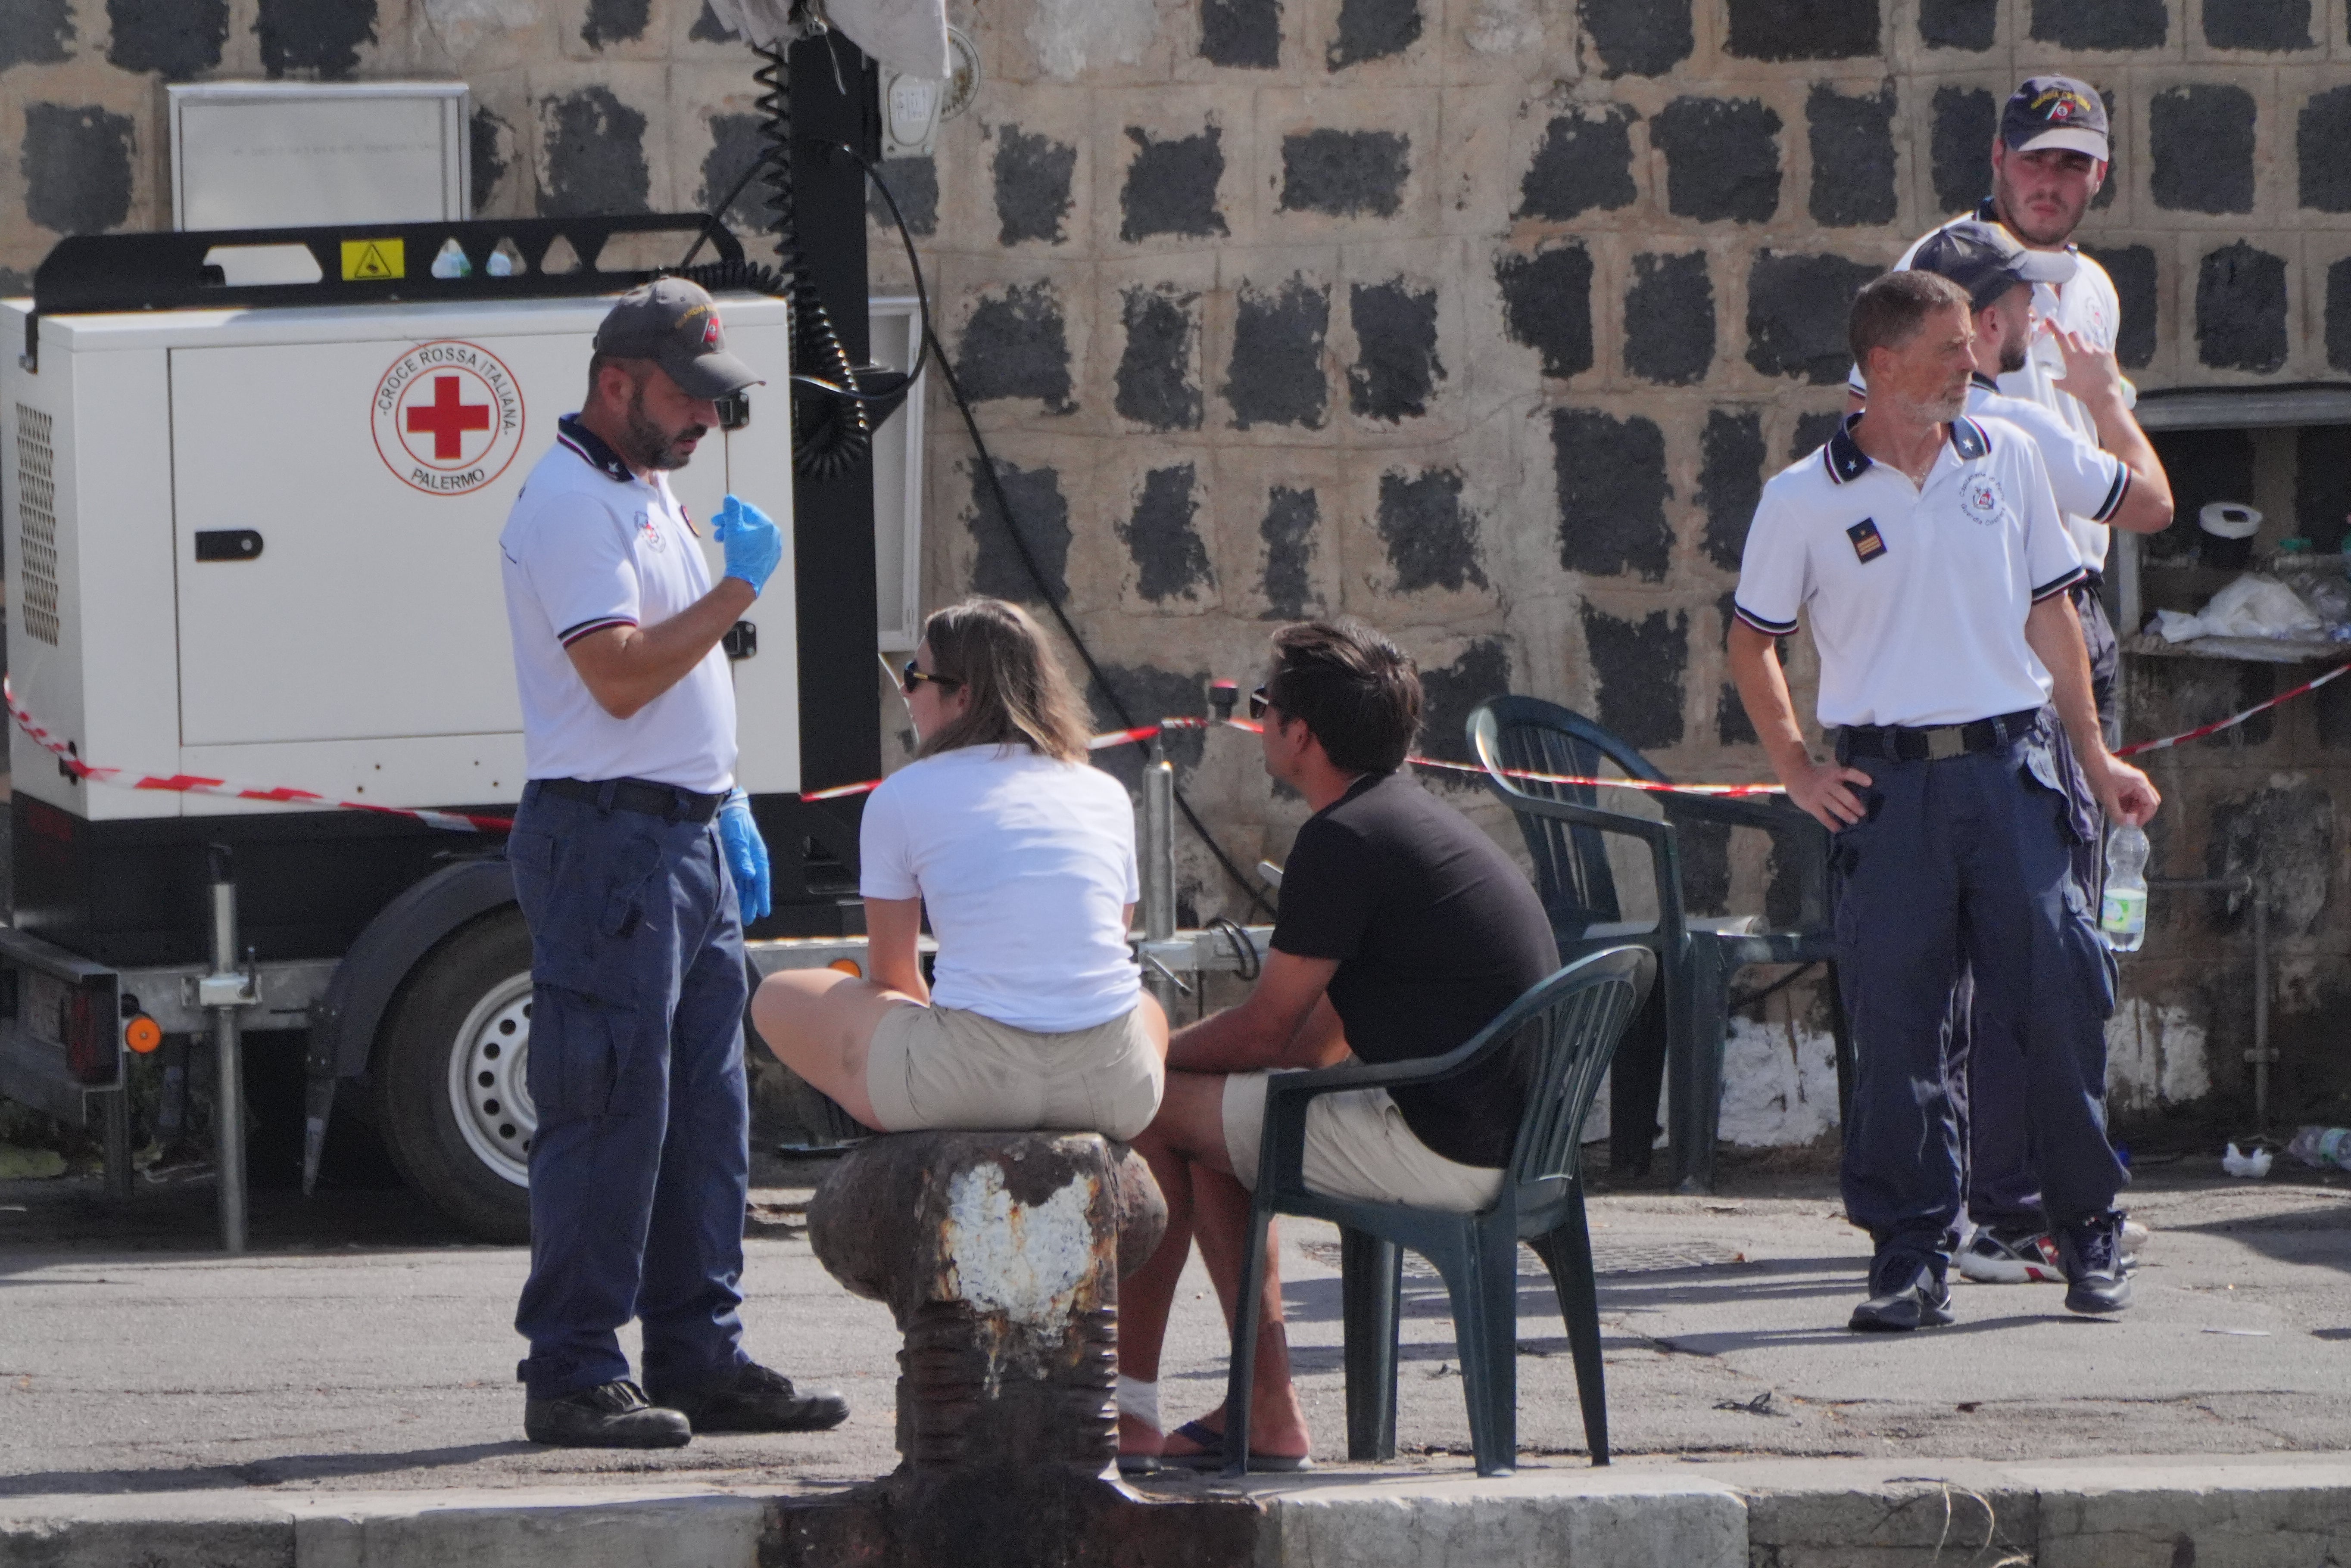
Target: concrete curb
pixel 2248 1512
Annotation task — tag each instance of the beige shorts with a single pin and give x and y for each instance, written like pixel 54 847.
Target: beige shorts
pixel 1358 1144
pixel 948 1068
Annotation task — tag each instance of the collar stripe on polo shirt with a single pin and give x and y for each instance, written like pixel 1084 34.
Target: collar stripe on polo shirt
pixel 1916 594
pixel 591 448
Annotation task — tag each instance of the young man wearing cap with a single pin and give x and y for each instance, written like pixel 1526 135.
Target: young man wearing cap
pixel 637 864
pixel 1927 551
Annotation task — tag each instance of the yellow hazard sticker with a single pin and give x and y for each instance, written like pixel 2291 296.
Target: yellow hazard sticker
pixel 364 260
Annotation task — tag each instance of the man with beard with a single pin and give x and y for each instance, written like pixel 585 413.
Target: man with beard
pixel 1927 549
pixel 637 865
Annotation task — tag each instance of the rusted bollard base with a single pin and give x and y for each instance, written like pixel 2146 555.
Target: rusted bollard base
pixel 1012 1517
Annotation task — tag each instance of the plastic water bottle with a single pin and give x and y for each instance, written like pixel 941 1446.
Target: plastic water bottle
pixel 2122 915
pixel 2321 1146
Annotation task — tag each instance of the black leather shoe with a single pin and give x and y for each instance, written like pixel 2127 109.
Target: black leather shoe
pixel 2092 1252
pixel 1906 1292
pixel 751 1399
pixel 610 1415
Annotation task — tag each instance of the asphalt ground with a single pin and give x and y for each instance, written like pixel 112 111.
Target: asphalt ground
pixel 362 1344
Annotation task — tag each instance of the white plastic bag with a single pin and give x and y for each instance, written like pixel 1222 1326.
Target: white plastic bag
pixel 2255 604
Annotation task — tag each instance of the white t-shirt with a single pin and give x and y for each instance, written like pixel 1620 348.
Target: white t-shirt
pixel 591 546
pixel 2086 305
pixel 1917 596
pixel 1026 865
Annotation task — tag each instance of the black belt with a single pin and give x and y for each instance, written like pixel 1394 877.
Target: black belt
pixel 1902 743
pixel 636 795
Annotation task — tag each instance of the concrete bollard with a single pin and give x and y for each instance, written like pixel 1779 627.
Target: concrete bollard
pixel 1000 1256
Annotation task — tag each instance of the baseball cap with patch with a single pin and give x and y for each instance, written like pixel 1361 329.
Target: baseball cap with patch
pixel 2055 112
pixel 675 323
pixel 1986 261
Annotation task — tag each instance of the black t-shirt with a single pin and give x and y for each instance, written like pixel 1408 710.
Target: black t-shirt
pixel 1436 932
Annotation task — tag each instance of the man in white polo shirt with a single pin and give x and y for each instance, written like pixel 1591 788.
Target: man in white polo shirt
pixel 637 864
pixel 1927 552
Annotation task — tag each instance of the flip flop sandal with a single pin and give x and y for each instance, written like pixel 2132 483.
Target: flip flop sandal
pixel 1211 1455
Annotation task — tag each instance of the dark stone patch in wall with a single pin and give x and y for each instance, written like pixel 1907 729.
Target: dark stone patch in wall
pixel 1547 306
pixel 1706 868
pixel 321 35
pixel 915 182
pixel 1796 311
pixel 1611 480
pixel 1432 538
pixel 1154 371
pixel 176 40
pixel 1041 514
pixel 76 167
pixel 1150 694
pixel 2240 300
pixel 2338 315
pixel 1290 516
pixel 1396 369
pixel 1669 319
pixel 2322 146
pixel 1813 433
pixel 2133 269
pixel 1276 376
pixel 1170 559
pixel 40 32
pixel 1171 186
pixel 1852 157
pixel 1960 148
pixel 2258 23
pixel 595 156
pixel 615 22
pixel 1637 669
pixel 1731 726
pixel 1582 164
pixel 2100 24
pixel 2283 839
pixel 735 145
pixel 486 140
pixel 1450 695
pixel 1372 30
pixel 1032 186
pixel 1344 172
pixel 1722 157
pixel 1958 23
pixel 1637 37
pixel 1729 481
pixel 2202 142
pixel 2322 485
pixel 1803 29
pixel 1015 346
pixel 2204 467
pixel 1242 33
pixel 708 29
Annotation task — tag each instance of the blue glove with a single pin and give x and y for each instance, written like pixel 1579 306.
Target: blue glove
pixel 746 852
pixel 754 544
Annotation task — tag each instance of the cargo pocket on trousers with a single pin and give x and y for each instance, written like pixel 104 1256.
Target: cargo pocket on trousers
pixel 579 1044
pixel 2050 767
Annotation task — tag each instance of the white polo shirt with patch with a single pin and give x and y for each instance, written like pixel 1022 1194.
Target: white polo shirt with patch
pixel 2086 305
pixel 1917 595
pixel 2089 481
pixel 591 546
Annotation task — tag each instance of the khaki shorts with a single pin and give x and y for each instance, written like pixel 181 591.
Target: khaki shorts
pixel 948 1068
pixel 1358 1144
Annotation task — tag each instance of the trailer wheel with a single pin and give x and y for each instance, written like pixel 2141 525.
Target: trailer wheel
pixel 450 1075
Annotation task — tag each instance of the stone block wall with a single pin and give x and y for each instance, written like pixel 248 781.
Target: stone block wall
pixel 1481 319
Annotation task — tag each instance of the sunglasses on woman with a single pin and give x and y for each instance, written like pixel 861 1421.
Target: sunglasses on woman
pixel 914 675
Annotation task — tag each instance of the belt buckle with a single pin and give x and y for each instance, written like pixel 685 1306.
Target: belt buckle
pixel 1946 741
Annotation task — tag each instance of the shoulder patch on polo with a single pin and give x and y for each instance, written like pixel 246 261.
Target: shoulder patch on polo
pixel 1867 543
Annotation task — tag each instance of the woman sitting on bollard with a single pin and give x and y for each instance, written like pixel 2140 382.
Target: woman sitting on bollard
pixel 1024 855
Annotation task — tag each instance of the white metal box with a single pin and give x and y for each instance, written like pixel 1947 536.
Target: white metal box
pixel 361 652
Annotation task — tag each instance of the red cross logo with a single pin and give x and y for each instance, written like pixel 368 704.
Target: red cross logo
pixel 447 419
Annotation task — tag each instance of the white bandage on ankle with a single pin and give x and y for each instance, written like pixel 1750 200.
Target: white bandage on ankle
pixel 1139 1399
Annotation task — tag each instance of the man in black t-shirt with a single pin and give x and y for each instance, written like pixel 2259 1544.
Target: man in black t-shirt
pixel 1404 931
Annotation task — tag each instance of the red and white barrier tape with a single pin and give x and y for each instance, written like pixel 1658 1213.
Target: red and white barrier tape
pixel 2232 721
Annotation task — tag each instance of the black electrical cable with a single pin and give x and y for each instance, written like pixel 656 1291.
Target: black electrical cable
pixel 1739 1001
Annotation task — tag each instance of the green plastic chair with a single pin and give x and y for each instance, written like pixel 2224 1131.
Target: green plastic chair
pixel 1570 1024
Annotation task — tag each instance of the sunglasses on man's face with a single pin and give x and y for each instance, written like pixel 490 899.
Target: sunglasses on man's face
pixel 1258 703
pixel 914 675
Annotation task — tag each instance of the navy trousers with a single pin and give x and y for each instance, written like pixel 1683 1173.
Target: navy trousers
pixel 1968 862
pixel 1989 1065
pixel 640 1165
